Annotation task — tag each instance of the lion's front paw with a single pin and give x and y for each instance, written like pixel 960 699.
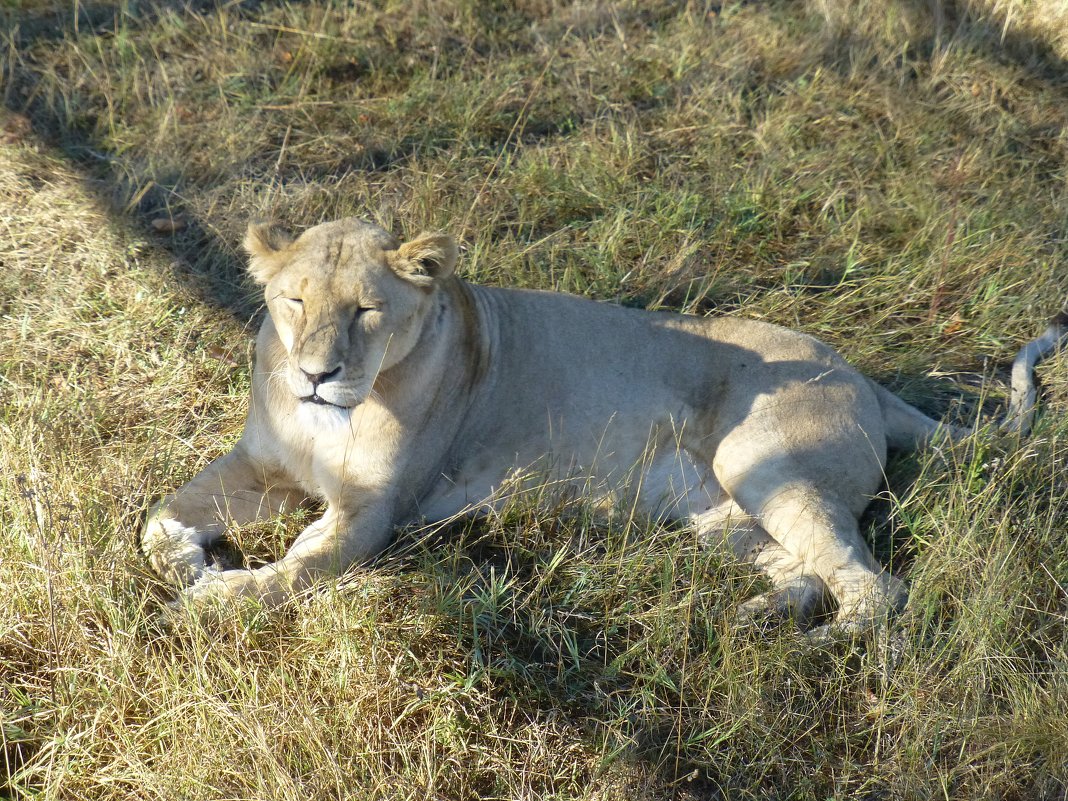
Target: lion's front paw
pixel 221 585
pixel 263 585
pixel 174 551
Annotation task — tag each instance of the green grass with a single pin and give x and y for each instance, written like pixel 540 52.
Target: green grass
pixel 890 177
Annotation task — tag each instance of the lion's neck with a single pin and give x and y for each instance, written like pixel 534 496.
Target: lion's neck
pixel 451 357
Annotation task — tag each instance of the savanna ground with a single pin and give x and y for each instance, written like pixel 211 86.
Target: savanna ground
pixel 890 176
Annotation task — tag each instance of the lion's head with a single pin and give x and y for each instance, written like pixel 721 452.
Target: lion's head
pixel 348 301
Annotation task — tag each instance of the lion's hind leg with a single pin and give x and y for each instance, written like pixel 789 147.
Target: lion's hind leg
pixel 232 490
pixel 820 531
pixel 679 484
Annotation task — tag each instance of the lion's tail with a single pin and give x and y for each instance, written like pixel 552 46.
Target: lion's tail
pixel 909 428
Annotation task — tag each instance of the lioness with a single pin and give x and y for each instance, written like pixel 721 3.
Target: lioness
pixel 395 392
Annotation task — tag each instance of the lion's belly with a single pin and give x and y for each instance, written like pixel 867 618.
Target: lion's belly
pixel 663 483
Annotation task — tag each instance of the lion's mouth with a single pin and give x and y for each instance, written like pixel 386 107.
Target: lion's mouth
pixel 318 401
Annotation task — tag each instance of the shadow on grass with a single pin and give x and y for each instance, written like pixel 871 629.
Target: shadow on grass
pixel 631 684
pixel 949 19
pixel 207 266
pixel 210 267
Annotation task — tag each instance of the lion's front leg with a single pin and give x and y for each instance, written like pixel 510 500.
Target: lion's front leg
pixel 233 490
pixel 325 548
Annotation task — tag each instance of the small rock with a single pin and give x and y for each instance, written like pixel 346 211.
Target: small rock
pixel 169 225
pixel 14 128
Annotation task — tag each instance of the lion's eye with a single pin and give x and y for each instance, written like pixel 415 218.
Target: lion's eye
pixel 294 303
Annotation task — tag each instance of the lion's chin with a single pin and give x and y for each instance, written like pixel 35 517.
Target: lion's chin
pixel 323 414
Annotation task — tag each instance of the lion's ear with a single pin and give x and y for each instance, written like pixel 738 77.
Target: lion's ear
pixel 265 244
pixel 427 258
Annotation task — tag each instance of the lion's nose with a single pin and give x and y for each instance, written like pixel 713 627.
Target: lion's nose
pixel 317 378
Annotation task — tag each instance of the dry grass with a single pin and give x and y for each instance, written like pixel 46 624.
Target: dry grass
pixel 889 176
